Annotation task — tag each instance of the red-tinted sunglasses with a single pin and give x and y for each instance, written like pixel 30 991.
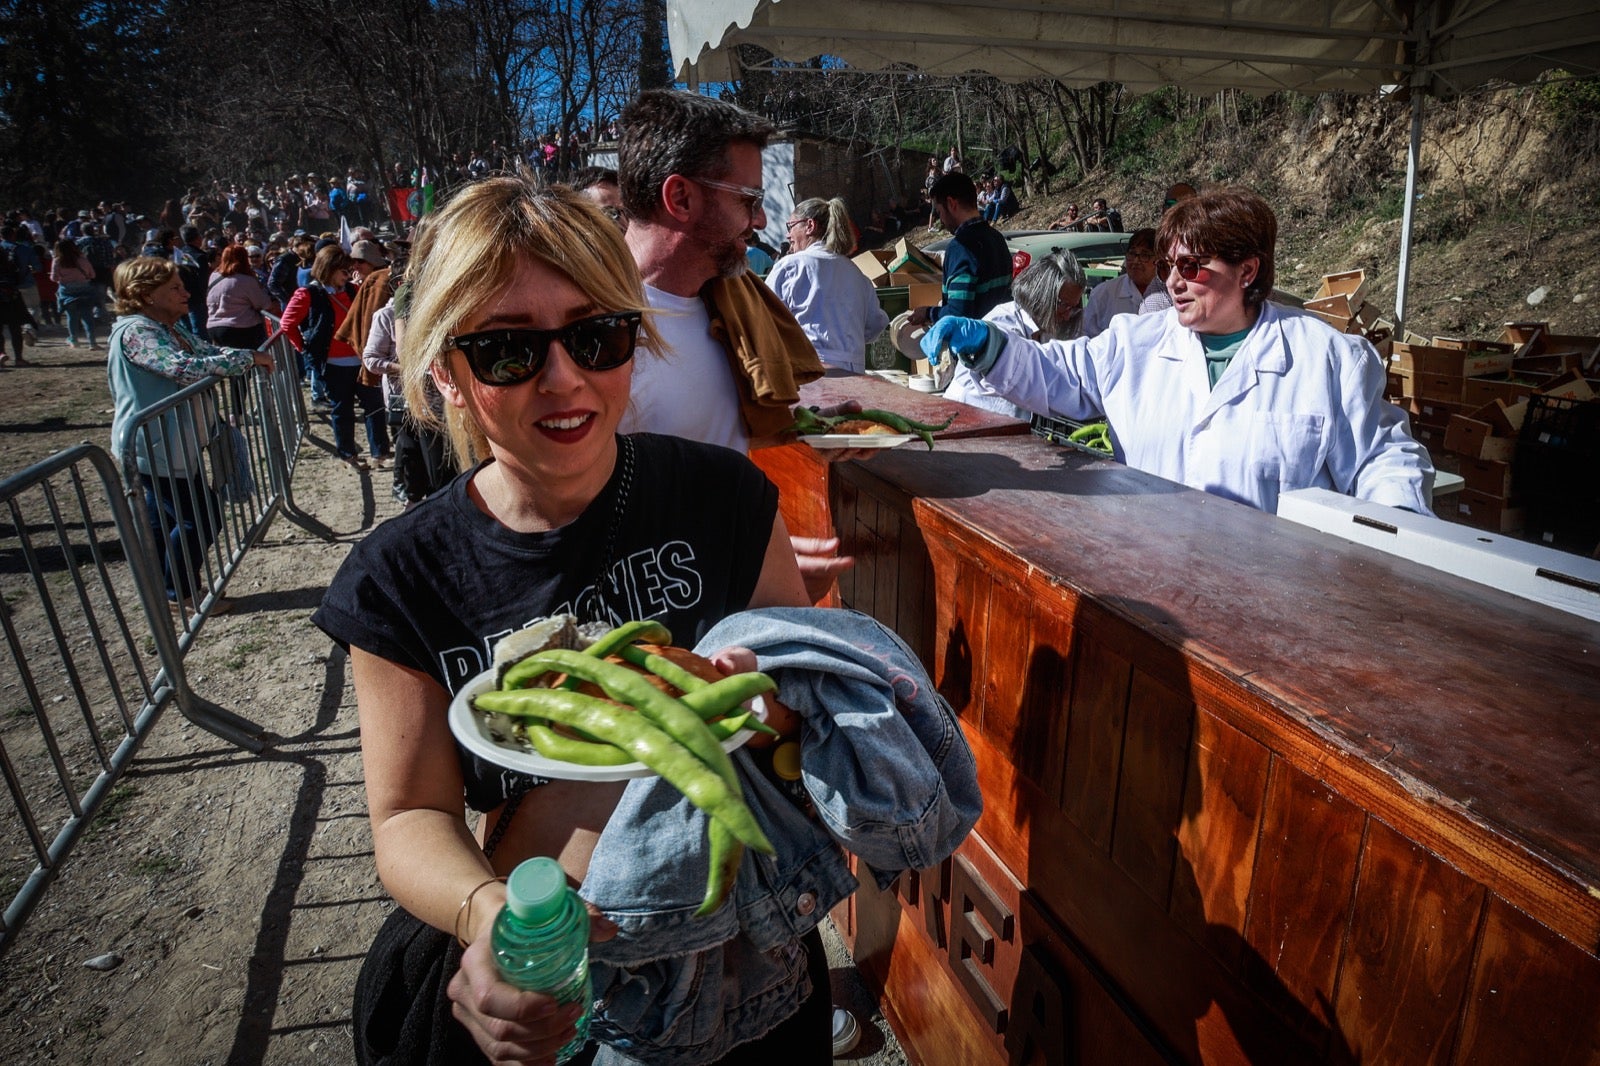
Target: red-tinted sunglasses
pixel 1189 266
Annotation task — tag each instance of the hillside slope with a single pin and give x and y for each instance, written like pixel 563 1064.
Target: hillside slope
pixel 1502 210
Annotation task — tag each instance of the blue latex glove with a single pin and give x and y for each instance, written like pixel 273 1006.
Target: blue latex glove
pixel 975 342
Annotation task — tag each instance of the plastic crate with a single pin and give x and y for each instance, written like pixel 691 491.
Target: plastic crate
pixel 1055 430
pixel 1556 473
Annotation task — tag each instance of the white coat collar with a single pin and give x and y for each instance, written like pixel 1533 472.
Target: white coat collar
pixel 1265 351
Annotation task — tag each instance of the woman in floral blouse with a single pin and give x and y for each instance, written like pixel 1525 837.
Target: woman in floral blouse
pixel 152 357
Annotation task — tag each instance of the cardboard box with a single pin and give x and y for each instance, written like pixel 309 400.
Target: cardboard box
pixel 1464 344
pixel 1587 348
pixel 925 294
pixel 1527 336
pixel 1494 513
pixel 875 265
pixel 1492 477
pixel 1351 284
pixel 1398 387
pixel 1487 433
pixel 1335 318
pixel 1430 437
pixel 1479 391
pixel 1435 413
pixel 1460 362
pixel 1448 388
pixel 1547 363
pixel 908 257
pixel 1569 386
pixel 1337 305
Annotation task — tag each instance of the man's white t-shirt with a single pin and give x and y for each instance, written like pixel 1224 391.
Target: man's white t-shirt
pixel 687 390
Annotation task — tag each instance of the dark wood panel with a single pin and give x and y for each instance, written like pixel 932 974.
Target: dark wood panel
pixel 885 562
pixel 1155 750
pixel 1007 640
pixel 961 588
pixel 1207 1014
pixel 862 545
pixel 1061 1005
pixel 843 502
pixel 1382 674
pixel 1406 962
pixel 1300 896
pixel 1532 998
pixel 1100 684
pixel 1040 736
pixel 1224 792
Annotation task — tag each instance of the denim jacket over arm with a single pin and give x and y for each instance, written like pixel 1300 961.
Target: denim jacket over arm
pixel 892 780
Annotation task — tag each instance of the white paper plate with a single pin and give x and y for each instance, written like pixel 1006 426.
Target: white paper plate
pixel 857 440
pixel 469 730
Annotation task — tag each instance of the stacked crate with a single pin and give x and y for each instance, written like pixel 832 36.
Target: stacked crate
pixel 1468 401
pixel 1341 303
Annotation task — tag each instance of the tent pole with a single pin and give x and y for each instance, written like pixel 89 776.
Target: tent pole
pixel 1413 153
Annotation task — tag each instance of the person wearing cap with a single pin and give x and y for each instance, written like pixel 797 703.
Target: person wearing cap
pixel 365 257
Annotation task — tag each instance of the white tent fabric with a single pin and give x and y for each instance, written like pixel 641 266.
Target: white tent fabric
pixel 1442 46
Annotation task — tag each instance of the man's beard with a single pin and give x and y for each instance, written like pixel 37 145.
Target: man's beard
pixel 726 254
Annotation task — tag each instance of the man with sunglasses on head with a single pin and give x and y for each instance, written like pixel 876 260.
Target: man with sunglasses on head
pixel 1226 392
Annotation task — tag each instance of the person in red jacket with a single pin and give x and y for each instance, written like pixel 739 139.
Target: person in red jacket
pixel 314 314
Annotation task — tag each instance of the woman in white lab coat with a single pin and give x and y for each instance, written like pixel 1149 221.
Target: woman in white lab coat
pixel 1225 392
pixel 832 299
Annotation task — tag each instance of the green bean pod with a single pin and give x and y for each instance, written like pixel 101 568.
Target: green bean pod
pixel 720 697
pixel 553 745
pixel 662 667
pixel 663 711
pixel 628 634
pixel 711 698
pixel 1085 433
pixel 726 855
pixel 637 736
pixel 902 423
pixel 808 421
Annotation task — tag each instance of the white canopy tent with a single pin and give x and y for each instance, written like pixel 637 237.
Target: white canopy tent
pixel 1434 47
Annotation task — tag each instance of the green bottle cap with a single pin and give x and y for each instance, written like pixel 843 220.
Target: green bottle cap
pixel 536 890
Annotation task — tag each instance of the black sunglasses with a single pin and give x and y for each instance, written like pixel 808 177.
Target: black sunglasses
pixel 511 356
pixel 1189 266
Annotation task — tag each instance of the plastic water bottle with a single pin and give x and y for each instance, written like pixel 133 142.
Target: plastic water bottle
pixel 541 940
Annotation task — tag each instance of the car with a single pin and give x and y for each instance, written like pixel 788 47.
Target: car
pixel 1100 253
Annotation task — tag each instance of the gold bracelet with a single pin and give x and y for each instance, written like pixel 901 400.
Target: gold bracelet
pixel 466 908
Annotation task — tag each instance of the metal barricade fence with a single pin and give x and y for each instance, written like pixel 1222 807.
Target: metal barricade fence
pixel 289 403
pixel 88 553
pixel 95 662
pixel 210 466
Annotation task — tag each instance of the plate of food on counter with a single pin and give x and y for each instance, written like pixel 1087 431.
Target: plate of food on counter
pixel 872 428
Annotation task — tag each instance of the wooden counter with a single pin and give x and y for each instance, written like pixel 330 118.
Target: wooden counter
pixel 1252 793
pixel 801 472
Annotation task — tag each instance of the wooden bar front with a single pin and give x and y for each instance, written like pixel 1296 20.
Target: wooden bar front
pixel 1252 793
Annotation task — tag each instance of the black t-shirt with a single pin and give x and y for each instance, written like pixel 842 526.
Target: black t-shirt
pixel 433 589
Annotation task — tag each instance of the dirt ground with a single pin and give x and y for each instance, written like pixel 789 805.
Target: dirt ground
pixel 238 890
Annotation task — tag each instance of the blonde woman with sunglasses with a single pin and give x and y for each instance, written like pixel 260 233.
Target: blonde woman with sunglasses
pixel 526 313
pixel 1226 392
